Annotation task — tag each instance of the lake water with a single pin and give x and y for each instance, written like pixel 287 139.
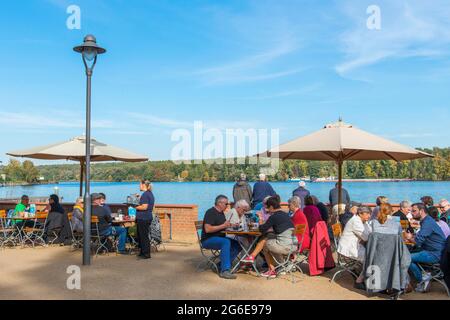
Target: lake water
pixel 203 193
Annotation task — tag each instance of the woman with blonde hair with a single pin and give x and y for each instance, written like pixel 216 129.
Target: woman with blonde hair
pixel 385 222
pixel 77 215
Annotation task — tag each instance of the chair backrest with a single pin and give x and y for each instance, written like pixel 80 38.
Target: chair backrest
pixel 300 231
pixel 404 224
pixel 2 213
pixel 337 233
pixel 94 219
pixel 198 230
pixel 161 215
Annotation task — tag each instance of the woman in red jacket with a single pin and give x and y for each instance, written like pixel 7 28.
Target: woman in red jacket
pixel 298 217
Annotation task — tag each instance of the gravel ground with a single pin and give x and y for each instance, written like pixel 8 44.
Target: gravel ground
pixel 41 273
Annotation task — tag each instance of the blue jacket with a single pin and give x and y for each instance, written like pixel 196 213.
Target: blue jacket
pixel 262 189
pixel 430 237
pixel 302 193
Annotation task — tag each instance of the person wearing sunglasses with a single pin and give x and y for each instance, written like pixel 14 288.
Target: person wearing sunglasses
pixel 213 238
pixel 444 208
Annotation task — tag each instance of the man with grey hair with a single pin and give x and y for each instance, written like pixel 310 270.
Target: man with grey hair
pixel 404 212
pixel 302 193
pixel 236 216
pixel 214 222
pixel 261 189
pixel 242 190
pixel 444 208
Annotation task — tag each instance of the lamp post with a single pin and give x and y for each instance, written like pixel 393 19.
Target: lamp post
pixel 89 51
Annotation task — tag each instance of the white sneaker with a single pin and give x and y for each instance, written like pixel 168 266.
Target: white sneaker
pixel 426 282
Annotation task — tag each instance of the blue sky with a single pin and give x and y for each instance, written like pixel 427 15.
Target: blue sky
pixel 291 65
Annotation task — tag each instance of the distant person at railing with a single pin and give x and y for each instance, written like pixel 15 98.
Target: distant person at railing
pixel 144 217
pixel 444 207
pixel 312 214
pixel 77 215
pixel 385 222
pixel 261 189
pixel 213 238
pixel 380 200
pixel 434 213
pixel 301 192
pixel 334 196
pixel 242 190
pixel 105 227
pixel 430 240
pixel 104 205
pixel 57 221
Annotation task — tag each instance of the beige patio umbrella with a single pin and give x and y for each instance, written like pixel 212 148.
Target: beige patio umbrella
pixel 74 150
pixel 340 142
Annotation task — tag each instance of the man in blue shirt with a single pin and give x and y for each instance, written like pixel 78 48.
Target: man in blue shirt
pixel 261 190
pixel 302 193
pixel 430 239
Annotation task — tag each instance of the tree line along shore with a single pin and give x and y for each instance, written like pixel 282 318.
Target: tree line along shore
pixel 26 172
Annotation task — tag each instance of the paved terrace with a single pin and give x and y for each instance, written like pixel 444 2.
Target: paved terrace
pixel 40 273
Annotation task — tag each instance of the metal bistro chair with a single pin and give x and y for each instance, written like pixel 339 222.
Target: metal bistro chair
pixel 294 258
pixel 99 242
pixel 344 263
pixel 210 256
pixel 36 233
pixel 8 235
pixel 437 274
pixel 77 237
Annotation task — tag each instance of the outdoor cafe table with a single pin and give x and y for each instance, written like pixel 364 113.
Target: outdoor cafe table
pixel 253 236
pixel 20 230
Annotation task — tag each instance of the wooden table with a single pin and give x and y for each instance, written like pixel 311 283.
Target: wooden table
pixel 124 223
pixel 252 234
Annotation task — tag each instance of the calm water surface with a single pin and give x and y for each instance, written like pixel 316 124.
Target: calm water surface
pixel 203 193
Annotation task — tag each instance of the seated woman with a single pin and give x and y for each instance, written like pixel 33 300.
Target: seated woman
pixel 434 213
pixel 312 214
pixel 298 217
pixel 262 213
pixel 77 215
pixel 385 222
pixel 278 243
pixel 57 221
pixel 355 235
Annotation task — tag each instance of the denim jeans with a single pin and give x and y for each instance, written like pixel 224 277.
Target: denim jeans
pixel 421 257
pixel 121 233
pixel 229 250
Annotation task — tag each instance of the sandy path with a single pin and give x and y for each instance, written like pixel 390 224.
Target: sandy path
pixel 41 274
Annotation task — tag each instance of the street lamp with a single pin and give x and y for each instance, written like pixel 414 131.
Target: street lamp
pixel 89 51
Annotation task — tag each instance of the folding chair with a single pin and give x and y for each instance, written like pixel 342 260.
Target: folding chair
pixel 294 258
pixel 99 242
pixel 210 256
pixel 7 233
pixel 36 233
pixel 436 274
pixel 344 263
pixel 77 237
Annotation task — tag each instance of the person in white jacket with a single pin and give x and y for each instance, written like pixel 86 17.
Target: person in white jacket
pixel 356 233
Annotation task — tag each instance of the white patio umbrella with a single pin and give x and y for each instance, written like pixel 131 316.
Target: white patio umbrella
pixel 340 142
pixel 74 150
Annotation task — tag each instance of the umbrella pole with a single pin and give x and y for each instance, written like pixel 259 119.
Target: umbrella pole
pixel 81 177
pixel 340 162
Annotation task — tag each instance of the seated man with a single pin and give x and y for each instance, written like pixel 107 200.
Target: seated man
pixel 444 207
pixel 212 237
pixel 430 239
pixel 280 242
pixel 404 211
pixel 104 205
pixel 19 211
pixel 104 223
pixel 236 216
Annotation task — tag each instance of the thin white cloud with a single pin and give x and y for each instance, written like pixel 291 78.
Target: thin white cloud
pixel 287 93
pixel 30 120
pixel 408 29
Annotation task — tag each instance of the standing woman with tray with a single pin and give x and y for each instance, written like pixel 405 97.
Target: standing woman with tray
pixel 144 216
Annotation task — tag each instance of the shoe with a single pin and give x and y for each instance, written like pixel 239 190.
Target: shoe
pixel 227 275
pixel 144 256
pixel 360 286
pixel 123 253
pixel 269 274
pixel 409 288
pixel 427 281
pixel 248 259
